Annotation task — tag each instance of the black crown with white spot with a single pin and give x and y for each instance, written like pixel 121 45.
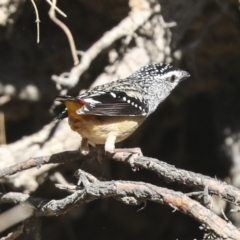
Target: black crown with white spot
pixel 152 70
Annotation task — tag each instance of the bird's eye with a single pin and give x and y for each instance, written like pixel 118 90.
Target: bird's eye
pixel 172 78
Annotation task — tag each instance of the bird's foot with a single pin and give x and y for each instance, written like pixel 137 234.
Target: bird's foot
pixel 135 150
pixel 84 179
pixel 135 153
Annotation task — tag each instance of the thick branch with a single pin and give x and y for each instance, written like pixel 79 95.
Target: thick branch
pixel 167 171
pixel 131 193
pixel 173 174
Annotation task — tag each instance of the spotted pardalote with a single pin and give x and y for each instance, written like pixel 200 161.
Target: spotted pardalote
pixel 109 113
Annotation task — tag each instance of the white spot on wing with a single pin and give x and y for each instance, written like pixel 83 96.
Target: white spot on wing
pixel 91 101
pixel 96 94
pixel 113 94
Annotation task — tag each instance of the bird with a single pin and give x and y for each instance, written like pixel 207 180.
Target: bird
pixel 111 112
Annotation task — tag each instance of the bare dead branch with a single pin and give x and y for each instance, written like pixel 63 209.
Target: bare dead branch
pixel 173 174
pixel 167 171
pixel 170 173
pixel 37 162
pixel 131 193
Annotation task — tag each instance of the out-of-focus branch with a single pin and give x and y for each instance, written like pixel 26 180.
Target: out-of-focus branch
pixel 14 215
pixel 14 234
pixel 48 141
pixel 139 14
pixel 132 193
pixel 56 8
pixel 37 20
pixel 30 228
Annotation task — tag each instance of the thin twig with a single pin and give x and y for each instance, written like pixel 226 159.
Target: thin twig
pixel 37 20
pixel 57 9
pixel 66 30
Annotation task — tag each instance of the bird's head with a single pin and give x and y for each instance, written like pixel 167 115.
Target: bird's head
pixel 158 80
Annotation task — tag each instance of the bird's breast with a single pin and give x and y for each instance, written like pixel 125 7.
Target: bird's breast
pixel 97 128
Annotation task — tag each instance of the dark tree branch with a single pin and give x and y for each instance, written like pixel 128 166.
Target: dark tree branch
pixel 37 162
pixel 167 171
pixel 173 174
pixel 132 193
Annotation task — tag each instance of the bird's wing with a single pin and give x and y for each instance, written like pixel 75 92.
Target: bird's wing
pixel 112 103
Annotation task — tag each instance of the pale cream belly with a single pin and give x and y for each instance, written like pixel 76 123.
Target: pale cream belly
pixel 97 128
